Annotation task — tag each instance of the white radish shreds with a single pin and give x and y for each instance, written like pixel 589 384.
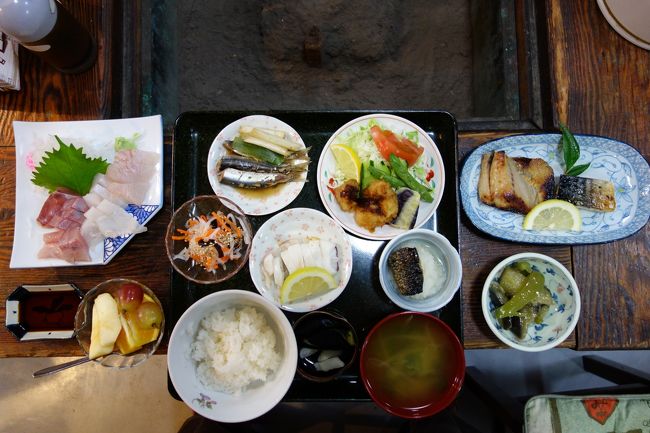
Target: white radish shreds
pixel 235 348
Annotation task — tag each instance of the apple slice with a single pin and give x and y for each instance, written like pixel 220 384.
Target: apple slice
pixel 106 326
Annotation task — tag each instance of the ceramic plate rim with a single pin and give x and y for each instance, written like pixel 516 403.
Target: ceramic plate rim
pixel 619 28
pixel 214 153
pixel 359 231
pixel 111 245
pixel 315 303
pixel 636 160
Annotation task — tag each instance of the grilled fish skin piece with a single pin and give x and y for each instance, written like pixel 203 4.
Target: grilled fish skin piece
pixel 514 184
pixel 405 265
pixel 595 194
pixel 248 179
pixel 248 164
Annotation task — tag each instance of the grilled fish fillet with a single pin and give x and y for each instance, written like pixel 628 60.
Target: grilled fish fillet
pixel 514 184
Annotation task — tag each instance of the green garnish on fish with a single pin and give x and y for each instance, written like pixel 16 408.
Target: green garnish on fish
pixel 571 151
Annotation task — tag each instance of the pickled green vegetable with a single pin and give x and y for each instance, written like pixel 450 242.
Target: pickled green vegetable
pixel 523 267
pixel 511 280
pixel 542 310
pixel 533 289
pixel 522 321
pixel 256 152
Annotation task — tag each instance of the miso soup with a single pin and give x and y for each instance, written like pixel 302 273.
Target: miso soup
pixel 410 362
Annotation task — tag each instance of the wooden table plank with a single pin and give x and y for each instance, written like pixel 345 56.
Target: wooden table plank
pixel 480 253
pixel 47 94
pixel 601 86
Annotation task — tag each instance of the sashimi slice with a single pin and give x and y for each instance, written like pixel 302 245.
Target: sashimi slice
pixel 71 247
pixel 93 199
pixel 107 195
pixel 133 166
pixel 60 205
pixel 115 221
pixel 133 192
pixel 91 233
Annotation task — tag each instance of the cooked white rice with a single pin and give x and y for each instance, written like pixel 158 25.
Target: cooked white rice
pixel 235 348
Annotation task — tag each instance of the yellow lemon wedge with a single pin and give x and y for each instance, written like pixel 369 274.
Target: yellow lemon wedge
pixel 556 215
pixel 306 283
pixel 347 161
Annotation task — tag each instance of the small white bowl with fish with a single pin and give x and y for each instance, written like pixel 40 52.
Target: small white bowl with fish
pixel 420 270
pixel 301 260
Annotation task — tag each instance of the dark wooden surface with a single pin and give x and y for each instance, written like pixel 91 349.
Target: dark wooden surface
pixel 600 85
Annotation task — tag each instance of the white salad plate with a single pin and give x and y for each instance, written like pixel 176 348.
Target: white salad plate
pixel 430 160
pixel 611 160
pixel 96 138
pixel 629 19
pixel 299 224
pixel 253 202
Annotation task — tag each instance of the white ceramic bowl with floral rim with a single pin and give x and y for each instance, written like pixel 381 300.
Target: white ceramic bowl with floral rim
pixel 562 317
pixel 253 401
pixel 430 163
pixel 299 224
pixel 254 202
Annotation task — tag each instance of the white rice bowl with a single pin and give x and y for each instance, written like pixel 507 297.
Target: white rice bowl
pixel 232 356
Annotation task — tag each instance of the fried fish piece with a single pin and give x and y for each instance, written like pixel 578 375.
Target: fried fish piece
pixel 373 207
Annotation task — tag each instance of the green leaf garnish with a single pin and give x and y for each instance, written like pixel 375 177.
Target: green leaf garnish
pixel 578 169
pixel 570 148
pixel 68 167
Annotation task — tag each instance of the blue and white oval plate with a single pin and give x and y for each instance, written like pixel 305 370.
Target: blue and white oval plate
pixel 610 160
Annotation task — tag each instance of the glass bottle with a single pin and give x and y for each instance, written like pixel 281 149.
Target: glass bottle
pixel 47 29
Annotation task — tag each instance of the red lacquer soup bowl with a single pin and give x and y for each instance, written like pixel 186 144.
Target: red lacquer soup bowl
pixel 412 364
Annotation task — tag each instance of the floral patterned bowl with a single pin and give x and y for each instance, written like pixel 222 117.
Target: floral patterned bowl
pixel 562 316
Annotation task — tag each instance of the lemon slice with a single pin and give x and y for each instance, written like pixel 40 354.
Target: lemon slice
pixel 557 215
pixel 347 161
pixel 305 283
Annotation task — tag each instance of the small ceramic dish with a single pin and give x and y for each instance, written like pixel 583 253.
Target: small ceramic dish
pixel 442 275
pixel 560 320
pixel 42 312
pixel 327 345
pixel 257 398
pixel 205 206
pixel 83 326
pixel 298 225
pixel 254 202
pixel 412 364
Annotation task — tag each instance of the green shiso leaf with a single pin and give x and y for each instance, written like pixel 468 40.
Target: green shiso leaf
pixel 68 167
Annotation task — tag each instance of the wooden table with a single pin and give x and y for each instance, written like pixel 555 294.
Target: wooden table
pixel 600 84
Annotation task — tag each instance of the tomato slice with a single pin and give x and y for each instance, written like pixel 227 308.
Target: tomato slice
pixel 389 143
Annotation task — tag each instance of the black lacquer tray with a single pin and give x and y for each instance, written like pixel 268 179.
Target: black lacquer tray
pixel 363 302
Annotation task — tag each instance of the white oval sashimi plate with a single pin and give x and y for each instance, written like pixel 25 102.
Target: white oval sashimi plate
pixel 253 202
pixel 610 160
pixel 431 160
pixel 97 139
pixel 299 224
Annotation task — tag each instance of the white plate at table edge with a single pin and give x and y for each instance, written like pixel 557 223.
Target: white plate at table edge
pixel 300 219
pixel 70 131
pixel 641 208
pixel 346 219
pixel 283 195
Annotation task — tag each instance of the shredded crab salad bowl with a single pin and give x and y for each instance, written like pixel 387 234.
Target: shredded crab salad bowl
pixel 208 239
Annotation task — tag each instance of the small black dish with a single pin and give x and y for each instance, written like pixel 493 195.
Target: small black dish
pixel 327 345
pixel 42 312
